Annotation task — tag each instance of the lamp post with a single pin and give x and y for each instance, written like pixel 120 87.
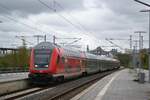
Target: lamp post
pixel 148 10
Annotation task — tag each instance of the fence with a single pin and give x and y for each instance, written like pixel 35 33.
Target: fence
pixel 12 70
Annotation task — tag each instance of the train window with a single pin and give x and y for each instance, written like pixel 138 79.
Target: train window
pixel 58 49
pixel 67 52
pixel 42 57
pixel 58 58
pixel 63 59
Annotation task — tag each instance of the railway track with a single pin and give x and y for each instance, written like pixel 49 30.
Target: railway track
pixel 71 91
pixel 18 94
pixel 63 91
pixel 22 93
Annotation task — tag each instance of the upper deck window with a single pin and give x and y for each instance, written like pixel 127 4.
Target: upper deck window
pixel 42 57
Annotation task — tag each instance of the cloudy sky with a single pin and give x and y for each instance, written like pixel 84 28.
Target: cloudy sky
pixel 91 20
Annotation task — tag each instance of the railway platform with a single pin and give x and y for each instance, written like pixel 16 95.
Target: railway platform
pixel 13 76
pixel 117 86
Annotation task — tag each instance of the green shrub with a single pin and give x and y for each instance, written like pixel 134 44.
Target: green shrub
pixel 19 58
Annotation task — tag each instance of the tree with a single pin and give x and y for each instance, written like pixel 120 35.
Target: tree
pixel 125 59
pixel 19 58
pixel 23 57
pixel 144 58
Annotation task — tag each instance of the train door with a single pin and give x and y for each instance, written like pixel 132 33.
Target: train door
pixel 82 64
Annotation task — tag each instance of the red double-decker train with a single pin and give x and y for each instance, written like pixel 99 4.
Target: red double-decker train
pixel 49 62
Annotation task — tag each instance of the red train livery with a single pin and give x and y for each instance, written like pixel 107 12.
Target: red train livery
pixel 49 62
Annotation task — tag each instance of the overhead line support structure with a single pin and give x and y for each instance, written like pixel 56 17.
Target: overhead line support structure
pixel 148 5
pixel 140 47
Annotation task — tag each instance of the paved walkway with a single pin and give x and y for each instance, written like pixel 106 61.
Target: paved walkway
pixel 117 86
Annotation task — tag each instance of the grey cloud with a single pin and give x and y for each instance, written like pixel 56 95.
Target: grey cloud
pixel 118 18
pixel 25 7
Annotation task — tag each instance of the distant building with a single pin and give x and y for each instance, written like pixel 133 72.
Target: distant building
pixel 4 51
pixel 114 51
pixel 99 51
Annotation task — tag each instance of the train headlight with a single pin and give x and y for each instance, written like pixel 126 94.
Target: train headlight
pixel 36 65
pixel 66 60
pixel 46 65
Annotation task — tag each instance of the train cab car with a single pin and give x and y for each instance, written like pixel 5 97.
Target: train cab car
pixel 49 62
pixel 42 62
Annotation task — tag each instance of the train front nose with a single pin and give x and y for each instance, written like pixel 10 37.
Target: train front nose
pixel 42 58
pixel 40 78
pixel 41 66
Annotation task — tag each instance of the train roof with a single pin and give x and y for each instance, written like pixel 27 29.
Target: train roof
pixel 69 51
pixel 90 56
pixel 44 45
pixel 107 58
pixel 99 57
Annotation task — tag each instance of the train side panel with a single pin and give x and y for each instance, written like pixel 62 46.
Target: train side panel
pixel 68 65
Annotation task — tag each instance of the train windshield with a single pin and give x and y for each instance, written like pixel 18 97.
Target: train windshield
pixel 42 57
